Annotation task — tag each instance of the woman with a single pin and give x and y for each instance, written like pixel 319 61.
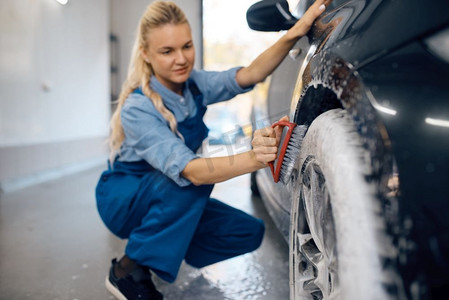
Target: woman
pixel 156 191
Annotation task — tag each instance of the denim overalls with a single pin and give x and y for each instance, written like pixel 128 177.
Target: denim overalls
pixel 165 223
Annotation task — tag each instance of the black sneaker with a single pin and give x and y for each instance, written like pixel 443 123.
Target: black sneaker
pixel 135 285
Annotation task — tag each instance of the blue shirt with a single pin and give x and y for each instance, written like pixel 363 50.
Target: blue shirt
pixel 148 135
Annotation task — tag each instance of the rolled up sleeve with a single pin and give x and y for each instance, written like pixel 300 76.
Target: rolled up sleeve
pixel 148 134
pixel 218 86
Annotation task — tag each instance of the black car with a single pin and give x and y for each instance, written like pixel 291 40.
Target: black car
pixel 366 208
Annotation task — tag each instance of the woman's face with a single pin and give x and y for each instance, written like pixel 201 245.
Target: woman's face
pixel 171 54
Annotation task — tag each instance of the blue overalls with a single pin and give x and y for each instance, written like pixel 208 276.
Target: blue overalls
pixel 165 223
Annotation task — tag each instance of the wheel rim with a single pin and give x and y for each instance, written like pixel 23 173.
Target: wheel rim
pixel 314 242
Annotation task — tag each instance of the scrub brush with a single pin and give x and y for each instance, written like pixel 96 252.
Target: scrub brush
pixel 289 151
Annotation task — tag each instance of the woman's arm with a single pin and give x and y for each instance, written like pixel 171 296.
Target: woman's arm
pixel 217 169
pixel 268 61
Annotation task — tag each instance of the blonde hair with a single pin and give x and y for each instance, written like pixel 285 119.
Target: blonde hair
pixel 139 72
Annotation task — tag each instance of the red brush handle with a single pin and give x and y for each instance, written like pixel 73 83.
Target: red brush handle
pixel 276 172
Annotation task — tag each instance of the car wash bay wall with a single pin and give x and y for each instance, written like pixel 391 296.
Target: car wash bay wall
pixel 56 81
pixel 54 86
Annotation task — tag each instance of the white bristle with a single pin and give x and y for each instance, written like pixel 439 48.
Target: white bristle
pixel 292 153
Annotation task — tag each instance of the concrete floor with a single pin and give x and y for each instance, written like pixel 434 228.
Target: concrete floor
pixel 53 245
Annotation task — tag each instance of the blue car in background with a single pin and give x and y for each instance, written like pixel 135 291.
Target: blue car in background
pixel 366 210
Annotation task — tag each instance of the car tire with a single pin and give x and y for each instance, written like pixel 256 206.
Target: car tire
pixel 339 248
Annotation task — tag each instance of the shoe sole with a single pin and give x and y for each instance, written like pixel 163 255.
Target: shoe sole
pixel 114 290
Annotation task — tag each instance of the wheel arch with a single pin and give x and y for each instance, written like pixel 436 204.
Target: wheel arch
pixel 329 82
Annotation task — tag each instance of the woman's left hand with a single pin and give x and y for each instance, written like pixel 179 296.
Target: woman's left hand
pixel 306 21
pixel 268 60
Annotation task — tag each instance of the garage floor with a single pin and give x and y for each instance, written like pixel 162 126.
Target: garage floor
pixel 53 245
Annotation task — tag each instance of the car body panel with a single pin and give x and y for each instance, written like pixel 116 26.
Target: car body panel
pixel 363 30
pixel 368 58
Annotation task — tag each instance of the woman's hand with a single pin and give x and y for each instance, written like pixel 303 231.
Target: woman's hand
pixel 270 59
pixel 305 23
pixel 266 142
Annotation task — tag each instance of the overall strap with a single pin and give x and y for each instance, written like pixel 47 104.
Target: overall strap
pixel 197 95
pixel 138 91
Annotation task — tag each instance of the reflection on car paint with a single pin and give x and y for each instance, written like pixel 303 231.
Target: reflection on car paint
pixel 375 63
